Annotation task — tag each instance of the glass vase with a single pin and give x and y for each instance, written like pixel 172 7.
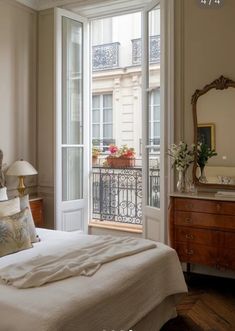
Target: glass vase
pixel 202 177
pixel 181 181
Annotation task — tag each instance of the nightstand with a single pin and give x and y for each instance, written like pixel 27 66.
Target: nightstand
pixel 36 205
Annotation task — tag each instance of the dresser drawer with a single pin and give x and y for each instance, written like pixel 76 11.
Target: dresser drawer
pixel 194 253
pixel 198 236
pixel 227 259
pixel 202 231
pixel 229 240
pixel 205 206
pixel 204 220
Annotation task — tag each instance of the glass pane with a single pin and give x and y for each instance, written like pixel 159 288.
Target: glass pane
pixel 156 113
pixel 96 116
pixel 72 173
pixel 108 101
pixel 107 115
pixel 156 97
pixel 96 101
pixel 96 131
pixel 156 129
pixel 72 103
pixel 108 130
pixel 153 156
pixel 154 45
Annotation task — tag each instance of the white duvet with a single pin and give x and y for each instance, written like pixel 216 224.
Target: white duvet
pixel 116 297
pixel 80 255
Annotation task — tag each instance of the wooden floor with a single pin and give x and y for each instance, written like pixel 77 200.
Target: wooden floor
pixel 209 306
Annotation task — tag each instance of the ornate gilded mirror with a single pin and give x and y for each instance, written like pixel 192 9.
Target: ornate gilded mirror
pixel 214 128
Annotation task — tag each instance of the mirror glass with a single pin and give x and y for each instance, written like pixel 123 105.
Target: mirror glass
pixel 215 112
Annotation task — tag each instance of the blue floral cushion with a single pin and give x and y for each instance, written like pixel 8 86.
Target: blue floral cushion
pixel 14 233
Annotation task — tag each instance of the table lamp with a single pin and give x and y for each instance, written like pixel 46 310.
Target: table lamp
pixel 21 169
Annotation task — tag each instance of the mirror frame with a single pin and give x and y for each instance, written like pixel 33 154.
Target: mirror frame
pixel 220 83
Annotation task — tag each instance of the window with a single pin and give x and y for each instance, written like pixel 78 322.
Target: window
pixel 102 121
pixel 102 31
pixel 154 120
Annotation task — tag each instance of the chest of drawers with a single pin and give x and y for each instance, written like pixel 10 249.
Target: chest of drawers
pixel 202 231
pixel 36 206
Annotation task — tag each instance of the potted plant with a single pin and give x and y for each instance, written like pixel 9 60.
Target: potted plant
pixel 95 154
pixel 182 157
pixel 204 153
pixel 123 157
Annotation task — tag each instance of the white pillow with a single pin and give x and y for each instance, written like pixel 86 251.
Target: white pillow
pixel 24 203
pixel 9 207
pixel 3 194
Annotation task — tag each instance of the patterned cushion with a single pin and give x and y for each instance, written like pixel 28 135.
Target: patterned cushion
pixel 14 234
pixel 3 194
pixel 24 203
pixel 9 207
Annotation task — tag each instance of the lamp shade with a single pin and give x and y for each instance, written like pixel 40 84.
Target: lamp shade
pixel 21 168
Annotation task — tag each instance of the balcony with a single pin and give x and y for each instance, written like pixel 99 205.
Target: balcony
pixel 117 193
pixel 154 51
pixel 105 56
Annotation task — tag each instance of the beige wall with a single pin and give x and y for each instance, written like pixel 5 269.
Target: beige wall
pixel 46 113
pixel 18 42
pixel 204 51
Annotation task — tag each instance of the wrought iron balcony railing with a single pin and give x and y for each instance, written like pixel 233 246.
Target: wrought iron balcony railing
pixel 105 56
pixel 117 194
pixel 154 50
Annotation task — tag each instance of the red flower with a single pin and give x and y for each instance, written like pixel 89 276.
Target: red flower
pixel 113 149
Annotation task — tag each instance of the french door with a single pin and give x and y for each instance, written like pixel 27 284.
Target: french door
pixel 73 93
pixel 72 121
pixel 155 178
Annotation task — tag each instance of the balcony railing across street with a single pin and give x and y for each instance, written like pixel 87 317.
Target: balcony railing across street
pixel 105 56
pixel 154 50
pixel 117 194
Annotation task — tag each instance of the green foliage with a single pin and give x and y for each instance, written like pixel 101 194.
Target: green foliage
pixel 181 155
pixel 204 153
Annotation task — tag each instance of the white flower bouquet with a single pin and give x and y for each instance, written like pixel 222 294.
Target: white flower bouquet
pixel 181 155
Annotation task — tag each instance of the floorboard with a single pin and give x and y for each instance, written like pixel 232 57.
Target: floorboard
pixel 208 306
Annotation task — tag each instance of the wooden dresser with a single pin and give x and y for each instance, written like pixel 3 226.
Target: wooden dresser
pixel 36 205
pixel 202 229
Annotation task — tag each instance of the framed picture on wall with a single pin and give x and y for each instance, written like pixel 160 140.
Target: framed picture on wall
pixel 206 134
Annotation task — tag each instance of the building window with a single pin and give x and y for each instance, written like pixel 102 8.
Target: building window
pixel 102 31
pixel 102 121
pixel 154 120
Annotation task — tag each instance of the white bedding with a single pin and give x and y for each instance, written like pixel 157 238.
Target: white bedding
pixel 116 297
pixel 81 255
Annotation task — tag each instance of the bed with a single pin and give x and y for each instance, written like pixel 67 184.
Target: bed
pixel 137 292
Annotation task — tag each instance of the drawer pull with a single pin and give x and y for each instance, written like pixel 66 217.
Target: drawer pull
pixel 189 251
pixel 218 206
pixel 188 220
pixel 189 236
pixel 189 206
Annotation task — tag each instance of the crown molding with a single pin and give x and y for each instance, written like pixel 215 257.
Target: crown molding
pixel 34 4
pixel 83 5
pixel 46 4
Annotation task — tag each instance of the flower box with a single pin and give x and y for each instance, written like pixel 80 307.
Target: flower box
pixel 120 162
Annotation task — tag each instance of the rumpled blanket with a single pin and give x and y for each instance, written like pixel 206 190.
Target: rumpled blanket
pixel 76 257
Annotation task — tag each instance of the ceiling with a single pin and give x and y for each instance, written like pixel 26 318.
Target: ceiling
pixel 86 7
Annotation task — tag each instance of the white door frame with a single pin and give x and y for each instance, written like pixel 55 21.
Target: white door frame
pixel 58 14
pixel 167 116
pixel 167 101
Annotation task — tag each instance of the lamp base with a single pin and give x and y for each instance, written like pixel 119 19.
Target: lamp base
pixel 21 186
